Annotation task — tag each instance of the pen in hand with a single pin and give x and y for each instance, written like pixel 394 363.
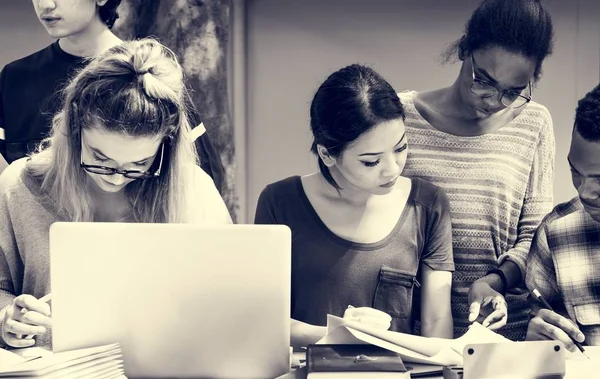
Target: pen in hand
pixel 43 299
pixel 546 305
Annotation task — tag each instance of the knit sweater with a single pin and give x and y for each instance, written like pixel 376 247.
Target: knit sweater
pixel 499 186
pixel 26 213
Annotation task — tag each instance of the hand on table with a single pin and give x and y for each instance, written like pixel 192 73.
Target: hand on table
pixel 25 316
pixel 369 316
pixel 548 325
pixel 487 306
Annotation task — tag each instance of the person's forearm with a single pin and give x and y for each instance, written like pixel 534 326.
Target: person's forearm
pixel 440 328
pixel 303 334
pixel 511 272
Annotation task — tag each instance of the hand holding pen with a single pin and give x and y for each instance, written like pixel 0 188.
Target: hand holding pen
pixel 24 318
pixel 548 324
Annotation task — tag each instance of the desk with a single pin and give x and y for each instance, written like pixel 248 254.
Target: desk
pixel 577 367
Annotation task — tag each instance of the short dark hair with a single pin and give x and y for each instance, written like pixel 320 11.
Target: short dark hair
pixel 349 103
pixel 108 12
pixel 519 26
pixel 587 116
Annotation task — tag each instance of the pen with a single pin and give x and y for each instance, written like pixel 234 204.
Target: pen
pixel 43 299
pixel 538 296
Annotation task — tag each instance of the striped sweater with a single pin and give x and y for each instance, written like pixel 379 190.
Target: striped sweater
pixel 499 186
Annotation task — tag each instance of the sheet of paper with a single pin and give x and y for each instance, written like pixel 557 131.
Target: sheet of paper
pixel 477 333
pixel 61 360
pixel 578 366
pixel 8 359
pixel 422 345
pixel 340 333
pixel 29 353
pixel 411 348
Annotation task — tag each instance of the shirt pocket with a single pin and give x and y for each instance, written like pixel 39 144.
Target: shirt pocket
pixel 394 292
pixel 588 318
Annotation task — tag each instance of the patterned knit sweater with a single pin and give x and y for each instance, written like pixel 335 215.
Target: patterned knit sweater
pixel 500 188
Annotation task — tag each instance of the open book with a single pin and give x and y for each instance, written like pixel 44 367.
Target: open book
pixel 415 349
pixel 102 362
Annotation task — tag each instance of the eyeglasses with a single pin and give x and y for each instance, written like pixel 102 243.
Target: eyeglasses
pixel 131 174
pixel 508 98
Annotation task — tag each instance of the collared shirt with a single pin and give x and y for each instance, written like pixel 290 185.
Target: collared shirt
pixel 564 266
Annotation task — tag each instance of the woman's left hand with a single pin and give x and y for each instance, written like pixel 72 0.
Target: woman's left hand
pixel 369 316
pixel 487 306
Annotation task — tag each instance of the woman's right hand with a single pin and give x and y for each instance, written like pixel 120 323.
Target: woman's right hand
pixel 25 316
pixel 369 316
pixel 548 325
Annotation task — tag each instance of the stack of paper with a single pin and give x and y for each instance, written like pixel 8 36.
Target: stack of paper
pixel 416 349
pixel 102 362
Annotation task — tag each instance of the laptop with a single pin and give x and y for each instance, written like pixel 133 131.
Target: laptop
pixel 183 301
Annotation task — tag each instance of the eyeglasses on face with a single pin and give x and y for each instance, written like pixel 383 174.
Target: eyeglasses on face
pixel 131 174
pixel 508 98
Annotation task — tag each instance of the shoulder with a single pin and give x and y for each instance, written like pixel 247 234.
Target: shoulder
pixel 207 205
pixel 282 189
pixel 29 62
pixel 11 176
pixel 407 97
pixel 204 184
pixel 428 194
pixel 536 114
pixel 201 178
pixel 564 210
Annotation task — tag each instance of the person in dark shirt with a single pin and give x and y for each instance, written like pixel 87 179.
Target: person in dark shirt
pixel 31 87
pixel 363 236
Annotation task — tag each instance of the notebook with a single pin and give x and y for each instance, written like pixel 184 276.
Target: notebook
pixel 353 361
pixel 101 362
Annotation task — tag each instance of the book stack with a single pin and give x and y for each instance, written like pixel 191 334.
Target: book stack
pixel 353 361
pixel 102 362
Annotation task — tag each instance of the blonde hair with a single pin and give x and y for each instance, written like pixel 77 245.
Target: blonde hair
pixel 136 89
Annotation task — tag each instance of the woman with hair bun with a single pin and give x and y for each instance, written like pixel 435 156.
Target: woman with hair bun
pixel 120 150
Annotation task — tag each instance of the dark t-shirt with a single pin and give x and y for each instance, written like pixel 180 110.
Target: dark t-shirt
pixel 329 273
pixel 30 95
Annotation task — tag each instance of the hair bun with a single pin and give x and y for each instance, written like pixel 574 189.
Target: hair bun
pixel 157 69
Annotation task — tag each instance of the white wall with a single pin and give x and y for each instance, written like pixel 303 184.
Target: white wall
pixel 20 31
pixel 293 45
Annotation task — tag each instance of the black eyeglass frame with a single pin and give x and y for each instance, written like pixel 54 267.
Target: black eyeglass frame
pixel 496 90
pixel 131 174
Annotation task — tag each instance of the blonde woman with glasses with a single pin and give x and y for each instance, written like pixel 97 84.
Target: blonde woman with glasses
pixel 490 146
pixel 120 151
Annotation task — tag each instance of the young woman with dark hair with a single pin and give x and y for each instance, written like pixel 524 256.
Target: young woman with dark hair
pixel 491 148
pixel 363 234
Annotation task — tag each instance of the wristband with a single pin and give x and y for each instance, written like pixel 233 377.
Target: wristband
pixel 500 273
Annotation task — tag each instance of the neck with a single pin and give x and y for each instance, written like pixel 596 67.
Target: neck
pixel 452 100
pixel 93 40
pixel 348 194
pixel 97 194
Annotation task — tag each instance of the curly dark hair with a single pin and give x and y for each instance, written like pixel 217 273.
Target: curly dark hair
pixel 108 12
pixel 587 116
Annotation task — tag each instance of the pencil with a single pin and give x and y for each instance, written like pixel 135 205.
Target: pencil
pixel 546 305
pixel 46 298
